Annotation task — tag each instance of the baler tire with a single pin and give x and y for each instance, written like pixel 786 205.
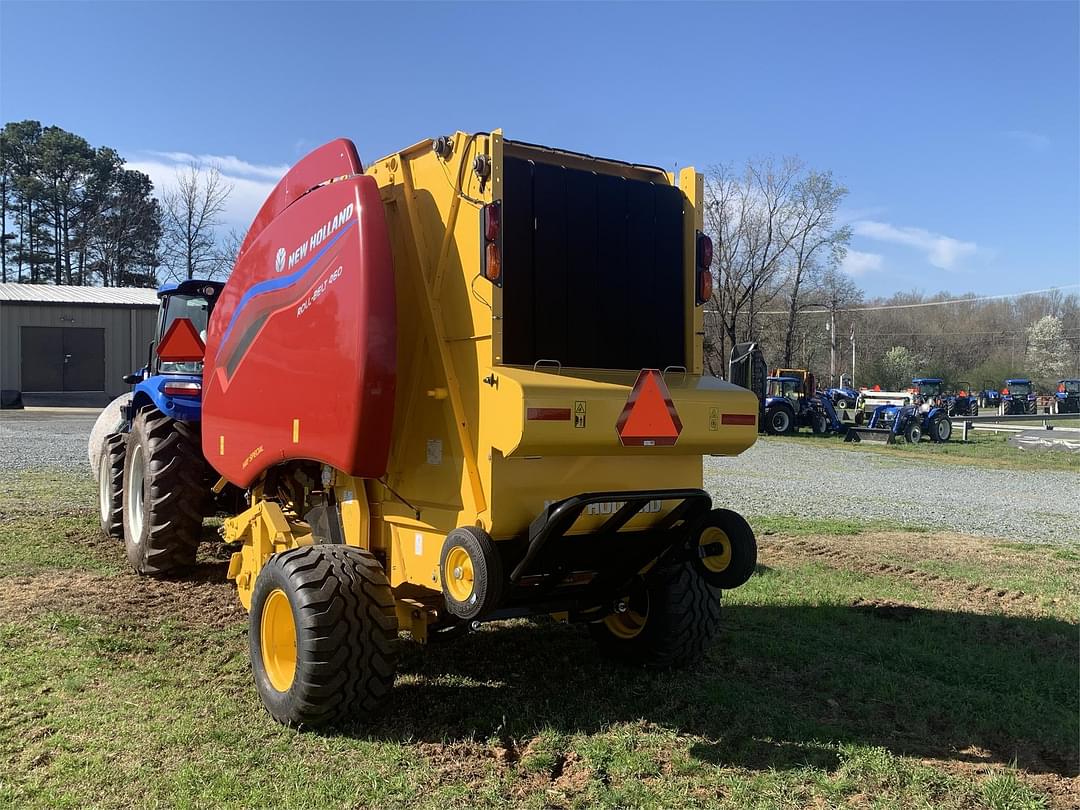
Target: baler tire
pixel 345 634
pixel 486 573
pixel 165 536
pixel 734 538
pixel 683 618
pixel 111 485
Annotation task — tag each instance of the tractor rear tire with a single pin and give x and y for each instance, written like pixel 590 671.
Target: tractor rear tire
pixel 323 635
pixel 111 485
pixel 164 493
pixel 672 615
pixel 779 421
pixel 941 429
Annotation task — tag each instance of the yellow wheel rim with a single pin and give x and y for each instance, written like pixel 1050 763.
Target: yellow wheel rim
pixel 458 575
pixel 630 623
pixel 278 636
pixel 716 536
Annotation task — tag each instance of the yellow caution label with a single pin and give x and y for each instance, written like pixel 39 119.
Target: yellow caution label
pixel 714 418
pixel 579 413
pixel 295 431
pixel 221 445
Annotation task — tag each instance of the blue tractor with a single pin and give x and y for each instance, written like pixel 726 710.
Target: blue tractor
pixel 147 447
pixel 989 396
pixel 1067 397
pixel 792 403
pixel 926 415
pixel 843 396
pixel 1018 397
pixel 963 401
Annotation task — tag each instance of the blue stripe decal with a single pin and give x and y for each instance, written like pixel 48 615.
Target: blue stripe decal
pixel 283 281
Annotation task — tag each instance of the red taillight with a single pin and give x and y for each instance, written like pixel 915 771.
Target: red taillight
pixel 702 263
pixel 704 285
pixel 182 389
pixel 492 263
pixel 491 233
pixel 704 251
pixel 492 222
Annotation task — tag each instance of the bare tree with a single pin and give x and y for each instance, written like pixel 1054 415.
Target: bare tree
pixel 748 217
pixel 190 218
pixel 816 244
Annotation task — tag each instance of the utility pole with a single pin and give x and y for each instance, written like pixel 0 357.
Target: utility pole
pixel 853 355
pixel 832 346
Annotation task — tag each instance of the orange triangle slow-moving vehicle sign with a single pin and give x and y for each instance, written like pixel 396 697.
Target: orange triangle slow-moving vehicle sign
pixel 181 343
pixel 649 418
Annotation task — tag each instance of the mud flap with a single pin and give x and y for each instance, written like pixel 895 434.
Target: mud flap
pixel 865 434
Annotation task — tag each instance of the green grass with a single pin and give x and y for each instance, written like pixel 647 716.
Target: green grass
pixel 793 526
pixel 981 449
pixel 828 687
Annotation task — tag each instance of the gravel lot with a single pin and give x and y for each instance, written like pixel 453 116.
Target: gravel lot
pixel 780 477
pixel 54 437
pixel 773 478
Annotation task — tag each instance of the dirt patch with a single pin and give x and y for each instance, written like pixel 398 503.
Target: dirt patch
pixel 203 597
pixel 864 555
pixel 977 764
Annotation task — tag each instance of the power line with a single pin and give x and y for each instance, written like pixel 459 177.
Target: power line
pixel 912 306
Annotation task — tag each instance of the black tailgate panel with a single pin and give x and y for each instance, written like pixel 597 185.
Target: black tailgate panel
pixel 592 269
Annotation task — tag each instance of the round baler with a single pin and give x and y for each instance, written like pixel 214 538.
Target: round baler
pixel 467 385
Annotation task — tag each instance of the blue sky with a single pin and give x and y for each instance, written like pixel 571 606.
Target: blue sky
pixel 956 126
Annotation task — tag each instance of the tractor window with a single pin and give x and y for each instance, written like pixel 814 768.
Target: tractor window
pixel 930 389
pixel 1020 389
pixel 197 310
pixel 1072 386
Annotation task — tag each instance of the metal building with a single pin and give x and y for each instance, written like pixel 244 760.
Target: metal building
pixel 72 345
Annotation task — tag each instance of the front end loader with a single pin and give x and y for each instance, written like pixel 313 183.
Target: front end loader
pixel 466 384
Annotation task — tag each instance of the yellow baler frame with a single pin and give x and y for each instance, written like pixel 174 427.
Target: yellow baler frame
pixel 462 453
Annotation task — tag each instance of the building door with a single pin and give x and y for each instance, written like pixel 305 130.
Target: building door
pixel 63 358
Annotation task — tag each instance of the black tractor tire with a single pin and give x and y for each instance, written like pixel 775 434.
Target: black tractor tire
pixel 974 409
pixel 111 485
pixel 819 424
pixel 913 432
pixel 844 403
pixel 779 421
pixel 485 578
pixel 343 651
pixel 163 519
pixel 681 616
pixel 940 429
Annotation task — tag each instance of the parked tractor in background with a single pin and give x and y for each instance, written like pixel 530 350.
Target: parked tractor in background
pixel 926 415
pixel 791 402
pixel 1067 397
pixel 989 396
pixel 963 400
pixel 870 399
pixel 843 396
pixel 1018 397
pixel 431 420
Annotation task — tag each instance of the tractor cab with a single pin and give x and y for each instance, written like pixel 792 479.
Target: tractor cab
pixel 1018 396
pixel 790 388
pixel 171 380
pixel 928 392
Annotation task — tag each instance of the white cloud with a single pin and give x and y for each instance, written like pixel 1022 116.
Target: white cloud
pixel 1032 140
pixel 251 182
pixel 856 262
pixel 941 251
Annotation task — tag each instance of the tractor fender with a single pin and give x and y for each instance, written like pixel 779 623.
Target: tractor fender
pixel 151 392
